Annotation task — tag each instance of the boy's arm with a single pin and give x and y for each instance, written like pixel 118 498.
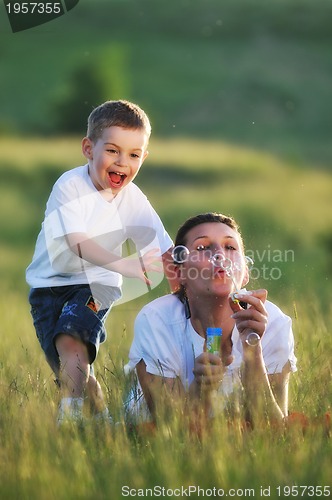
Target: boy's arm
pixel 170 270
pixel 87 249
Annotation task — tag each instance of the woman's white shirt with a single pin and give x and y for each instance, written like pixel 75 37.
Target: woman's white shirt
pixel 168 344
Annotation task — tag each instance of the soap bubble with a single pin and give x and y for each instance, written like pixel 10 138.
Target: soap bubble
pixel 180 254
pixel 231 268
pixel 222 262
pixel 236 266
pixel 249 262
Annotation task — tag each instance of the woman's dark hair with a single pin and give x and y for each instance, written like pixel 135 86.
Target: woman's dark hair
pixel 181 236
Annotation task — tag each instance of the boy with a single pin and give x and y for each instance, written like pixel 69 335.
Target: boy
pixel 75 274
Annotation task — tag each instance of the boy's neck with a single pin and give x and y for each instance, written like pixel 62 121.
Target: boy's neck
pixel 106 194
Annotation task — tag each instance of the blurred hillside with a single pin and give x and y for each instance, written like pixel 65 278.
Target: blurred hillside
pixel 250 72
pixel 284 212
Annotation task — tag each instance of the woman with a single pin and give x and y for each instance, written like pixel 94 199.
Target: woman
pixel 257 347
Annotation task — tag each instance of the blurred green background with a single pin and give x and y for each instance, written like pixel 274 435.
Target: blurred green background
pixel 239 96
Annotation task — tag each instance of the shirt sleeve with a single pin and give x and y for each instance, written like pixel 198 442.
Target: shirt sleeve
pixel 146 229
pixel 63 216
pixel 278 345
pixel 64 211
pixel 153 344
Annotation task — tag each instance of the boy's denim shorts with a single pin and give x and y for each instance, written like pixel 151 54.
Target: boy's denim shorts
pixel 76 310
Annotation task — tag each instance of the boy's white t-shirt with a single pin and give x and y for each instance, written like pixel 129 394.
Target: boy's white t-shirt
pixel 167 342
pixel 76 206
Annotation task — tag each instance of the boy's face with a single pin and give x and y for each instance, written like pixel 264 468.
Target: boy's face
pixel 116 157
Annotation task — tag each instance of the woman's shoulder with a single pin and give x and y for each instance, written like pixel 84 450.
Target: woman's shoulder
pixel 279 327
pixel 168 307
pixel 159 323
pixel 275 313
pixel 166 303
pixel 278 340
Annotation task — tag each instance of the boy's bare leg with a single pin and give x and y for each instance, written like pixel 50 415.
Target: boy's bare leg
pixel 75 367
pixel 73 376
pixel 76 380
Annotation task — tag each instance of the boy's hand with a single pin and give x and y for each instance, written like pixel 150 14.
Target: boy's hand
pixel 138 267
pixel 150 261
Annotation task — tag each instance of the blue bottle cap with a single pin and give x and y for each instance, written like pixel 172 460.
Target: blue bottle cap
pixel 213 331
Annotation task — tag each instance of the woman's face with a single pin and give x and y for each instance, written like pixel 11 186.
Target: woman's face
pixel 211 244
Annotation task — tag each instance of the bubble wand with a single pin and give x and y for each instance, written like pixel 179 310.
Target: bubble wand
pixel 220 261
pixel 180 254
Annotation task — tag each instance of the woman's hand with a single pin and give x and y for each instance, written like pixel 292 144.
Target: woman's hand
pixel 208 371
pixel 252 319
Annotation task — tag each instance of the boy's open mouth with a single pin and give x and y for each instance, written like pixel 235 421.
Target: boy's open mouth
pixel 116 179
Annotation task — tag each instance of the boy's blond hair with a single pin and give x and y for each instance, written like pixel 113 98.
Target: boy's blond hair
pixel 120 113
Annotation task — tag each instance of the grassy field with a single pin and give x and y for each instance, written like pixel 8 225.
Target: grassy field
pixel 238 92
pixel 280 206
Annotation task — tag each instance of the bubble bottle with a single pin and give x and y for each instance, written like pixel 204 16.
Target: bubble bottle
pixel 213 340
pixel 213 345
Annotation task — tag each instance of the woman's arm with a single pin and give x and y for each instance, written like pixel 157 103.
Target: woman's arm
pixel 266 397
pixel 164 393
pixel 159 390
pixel 260 400
pixel 279 383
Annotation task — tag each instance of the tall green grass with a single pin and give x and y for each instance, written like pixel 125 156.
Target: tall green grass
pixel 279 204
pixel 39 461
